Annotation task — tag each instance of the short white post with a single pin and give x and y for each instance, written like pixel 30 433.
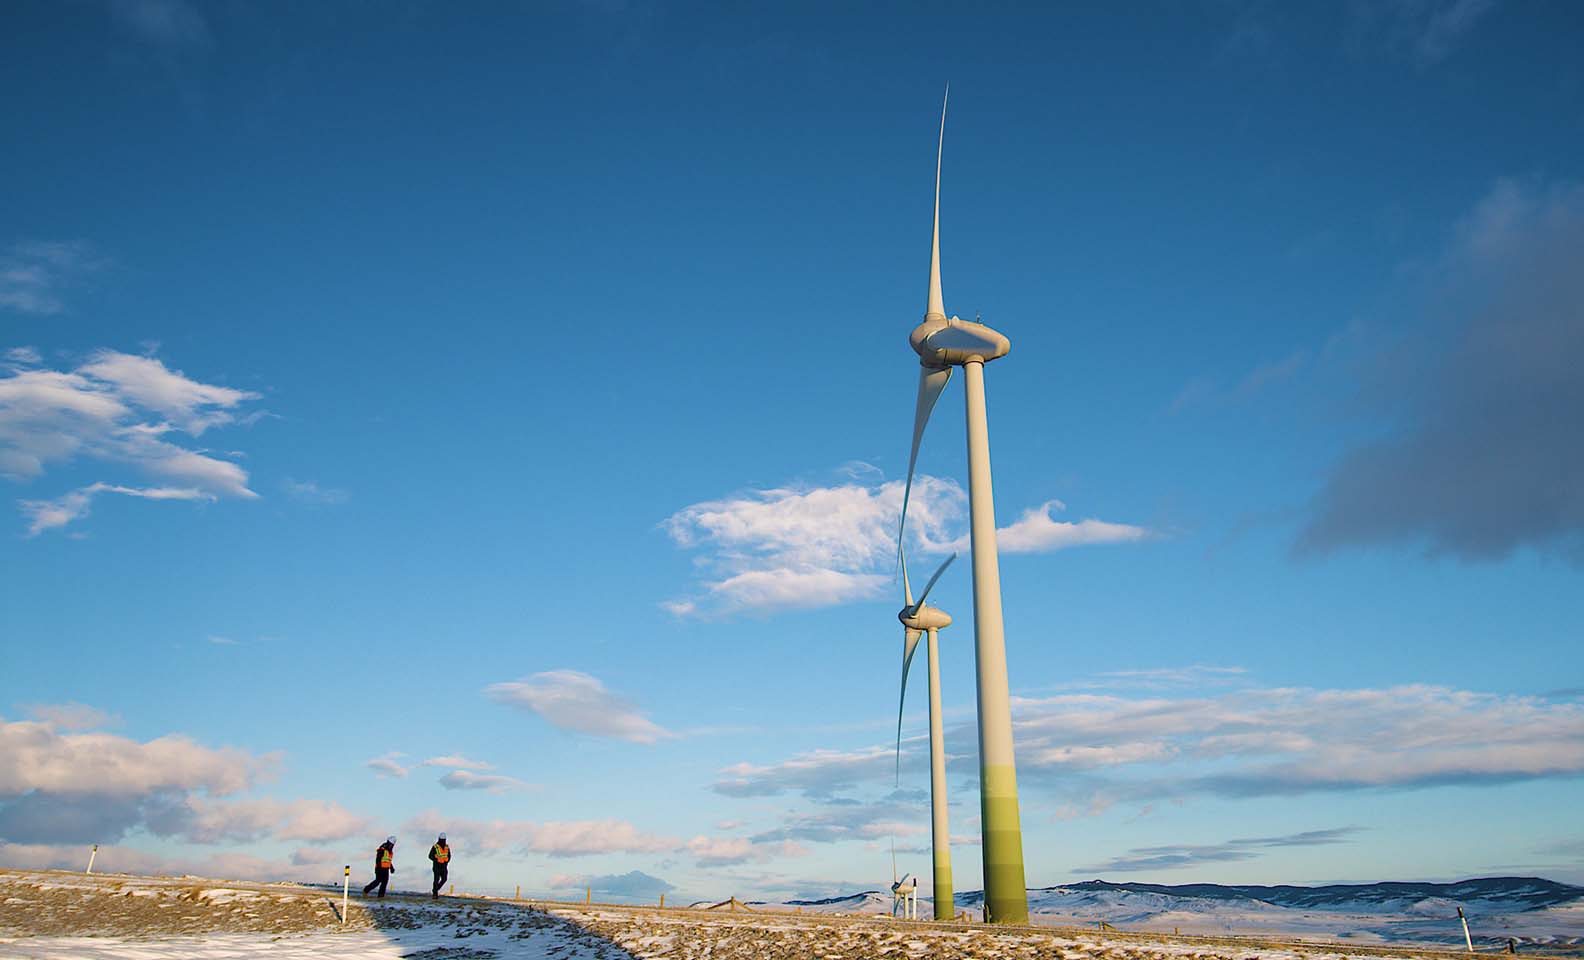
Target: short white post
pixel 91 854
pixel 1466 938
pixel 346 887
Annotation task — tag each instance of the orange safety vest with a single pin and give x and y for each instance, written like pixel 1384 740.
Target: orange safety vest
pixel 442 854
pixel 385 856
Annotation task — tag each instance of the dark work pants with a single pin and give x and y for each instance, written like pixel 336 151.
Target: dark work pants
pixel 381 877
pixel 440 878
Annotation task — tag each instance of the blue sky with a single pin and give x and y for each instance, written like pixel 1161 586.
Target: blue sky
pixel 494 423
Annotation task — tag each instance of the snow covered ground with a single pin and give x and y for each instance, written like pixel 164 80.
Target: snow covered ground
pixel 56 916
pixel 47 915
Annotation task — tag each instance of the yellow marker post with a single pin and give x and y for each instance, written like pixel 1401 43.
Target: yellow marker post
pixel 662 901
pixel 346 886
pixel 518 894
pixel 588 896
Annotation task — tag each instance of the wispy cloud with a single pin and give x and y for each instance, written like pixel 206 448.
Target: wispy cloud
pixel 1177 856
pixel 34 275
pixel 1089 751
pixel 811 546
pixel 1036 531
pixel 725 851
pixel 117 409
pixel 456 761
pixel 579 702
pixel 1429 31
pixel 43 515
pixel 72 716
pixel 491 782
pixel 566 838
pixel 306 491
pixel 388 766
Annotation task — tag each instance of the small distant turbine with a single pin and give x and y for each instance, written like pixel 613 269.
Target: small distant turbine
pixel 904 891
pixel 941 344
pixel 917 620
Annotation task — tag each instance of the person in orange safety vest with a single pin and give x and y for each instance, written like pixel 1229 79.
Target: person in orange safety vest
pixel 440 853
pixel 384 866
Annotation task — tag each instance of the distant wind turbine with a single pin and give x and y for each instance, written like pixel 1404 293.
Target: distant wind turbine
pixel 941 344
pixel 918 619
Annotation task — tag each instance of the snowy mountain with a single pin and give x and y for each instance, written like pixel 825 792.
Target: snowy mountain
pixel 1528 909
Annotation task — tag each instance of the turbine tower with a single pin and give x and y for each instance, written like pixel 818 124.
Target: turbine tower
pixel 917 620
pixel 941 344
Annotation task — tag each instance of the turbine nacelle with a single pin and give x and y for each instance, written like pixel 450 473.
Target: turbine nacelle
pixel 920 618
pixel 940 342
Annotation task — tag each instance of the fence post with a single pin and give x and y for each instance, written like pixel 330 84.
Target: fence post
pixel 346 887
pixel 91 854
pixel 662 901
pixel 588 896
pixel 518 894
pixel 1466 938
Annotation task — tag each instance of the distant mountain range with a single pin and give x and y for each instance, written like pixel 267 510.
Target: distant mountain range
pixel 1528 909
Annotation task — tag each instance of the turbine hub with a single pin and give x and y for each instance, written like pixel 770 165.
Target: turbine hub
pixel 924 618
pixel 942 342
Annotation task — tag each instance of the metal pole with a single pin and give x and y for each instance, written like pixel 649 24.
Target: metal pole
pixel 940 837
pixel 91 854
pixel 1006 893
pixel 1466 938
pixel 346 886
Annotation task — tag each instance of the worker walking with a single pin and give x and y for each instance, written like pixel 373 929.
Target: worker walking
pixel 384 866
pixel 440 853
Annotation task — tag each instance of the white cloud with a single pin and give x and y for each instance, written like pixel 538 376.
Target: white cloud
pixel 817 773
pixel 457 761
pixel 572 838
pixel 72 716
pixel 201 820
pixel 49 514
pixel 1093 750
pixel 121 410
pixel 387 766
pixel 24 355
pixel 724 851
pixel 1037 532
pixel 795 547
pixel 468 780
pixel 36 756
pixel 576 701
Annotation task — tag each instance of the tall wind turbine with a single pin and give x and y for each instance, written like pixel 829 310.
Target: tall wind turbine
pixel 918 619
pixel 941 344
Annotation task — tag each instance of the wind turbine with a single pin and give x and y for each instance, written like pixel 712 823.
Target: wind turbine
pixel 904 891
pixel 942 344
pixel 918 619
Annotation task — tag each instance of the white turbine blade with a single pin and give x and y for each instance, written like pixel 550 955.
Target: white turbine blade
pixel 907 587
pixel 931 585
pixel 910 639
pixel 931 382
pixel 937 306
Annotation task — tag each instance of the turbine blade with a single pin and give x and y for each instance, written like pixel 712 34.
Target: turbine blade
pixel 907 587
pixel 936 306
pixel 931 585
pixel 910 639
pixel 932 381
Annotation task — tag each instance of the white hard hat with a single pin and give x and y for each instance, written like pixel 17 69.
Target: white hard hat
pixel 390 839
pixel 442 836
